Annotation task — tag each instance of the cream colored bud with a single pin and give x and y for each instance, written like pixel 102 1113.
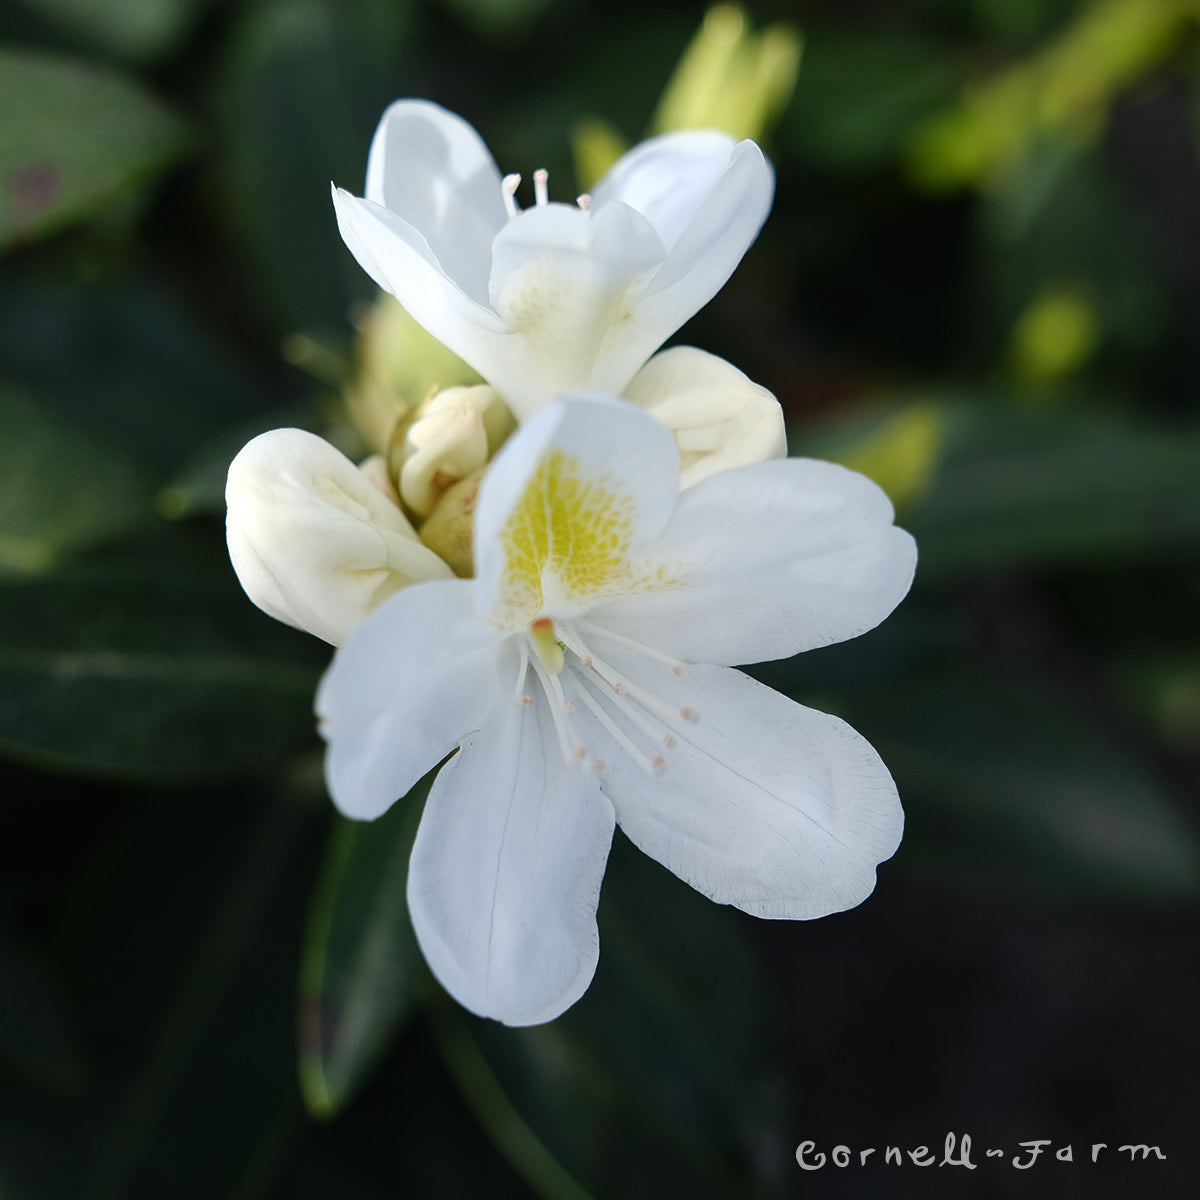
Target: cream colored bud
pixel 450 528
pixel 315 541
pixel 719 417
pixel 455 434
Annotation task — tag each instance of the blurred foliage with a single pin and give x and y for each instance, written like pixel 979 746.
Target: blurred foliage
pixel 980 285
pixel 77 138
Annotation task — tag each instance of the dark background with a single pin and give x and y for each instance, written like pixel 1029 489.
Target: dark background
pixel 980 283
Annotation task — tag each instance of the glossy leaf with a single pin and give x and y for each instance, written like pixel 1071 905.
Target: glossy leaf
pixel 149 674
pixel 362 968
pixel 74 141
pixel 1023 489
pixel 61 490
pixel 125 360
pixel 303 88
pixel 1015 788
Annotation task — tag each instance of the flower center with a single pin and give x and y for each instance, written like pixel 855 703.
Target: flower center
pixel 541 192
pixel 570 675
pixel 565 542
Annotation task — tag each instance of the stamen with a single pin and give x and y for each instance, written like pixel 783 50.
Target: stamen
pixel 620 685
pixel 541 190
pixel 653 765
pixel 649 651
pixel 651 728
pixel 572 749
pixel 520 695
pixel 509 185
pixel 584 201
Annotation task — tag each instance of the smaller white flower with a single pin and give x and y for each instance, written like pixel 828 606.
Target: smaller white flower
pixel 584 678
pixel 317 542
pixel 555 298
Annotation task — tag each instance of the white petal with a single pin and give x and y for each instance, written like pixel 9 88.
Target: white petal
pixel 712 243
pixel 666 178
pixel 430 168
pixel 399 259
pixel 566 283
pixel 313 541
pixel 773 558
pixel 506 870
pixel 409 683
pixel 761 803
pixel 571 491
pixel 720 418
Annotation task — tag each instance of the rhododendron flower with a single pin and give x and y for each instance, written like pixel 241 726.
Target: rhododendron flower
pixel 558 297
pixel 584 679
pixel 319 543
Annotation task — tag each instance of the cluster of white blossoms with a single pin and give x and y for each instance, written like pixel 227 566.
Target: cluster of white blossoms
pixel 638 534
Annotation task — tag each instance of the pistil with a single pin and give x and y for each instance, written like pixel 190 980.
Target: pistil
pixel 549 648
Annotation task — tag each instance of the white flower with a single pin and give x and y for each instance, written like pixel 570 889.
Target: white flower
pixel 583 675
pixel 316 541
pixel 557 298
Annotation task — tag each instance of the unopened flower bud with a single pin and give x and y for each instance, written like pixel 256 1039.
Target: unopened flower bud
pixel 315 541
pixel 719 417
pixel 456 432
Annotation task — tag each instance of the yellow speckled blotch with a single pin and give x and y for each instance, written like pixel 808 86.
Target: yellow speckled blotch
pixel 565 541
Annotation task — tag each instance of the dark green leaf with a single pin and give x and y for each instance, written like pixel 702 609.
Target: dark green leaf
pixel 305 87
pixel 361 965
pixel 61 489
pixel 1013 787
pixel 1033 488
pixel 74 140
pixel 1041 488
pixel 133 29
pixel 149 673
pixel 124 359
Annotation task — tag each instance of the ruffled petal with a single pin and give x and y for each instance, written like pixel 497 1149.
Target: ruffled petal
pixel 759 802
pixel 430 168
pixel 506 870
pixel 411 681
pixel 720 419
pixel 315 543
pixel 564 502
pixel 772 559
